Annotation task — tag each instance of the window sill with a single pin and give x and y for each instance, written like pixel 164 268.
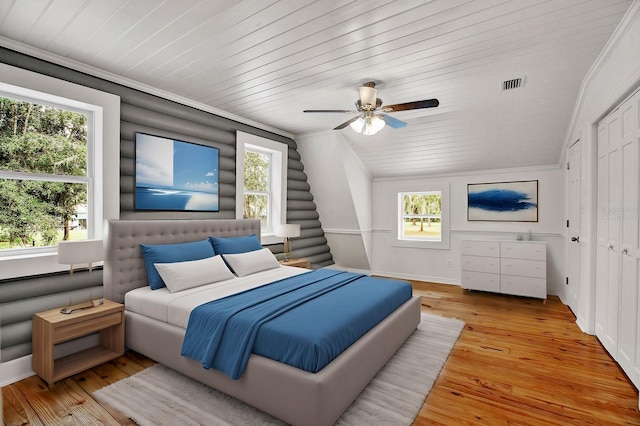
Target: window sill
pixel 434 245
pixel 23 265
pixel 268 240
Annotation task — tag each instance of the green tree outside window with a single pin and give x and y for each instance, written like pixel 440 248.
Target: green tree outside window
pixel 42 145
pixel 257 196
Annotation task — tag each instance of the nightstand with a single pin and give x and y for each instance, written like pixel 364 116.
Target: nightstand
pixel 303 262
pixel 52 327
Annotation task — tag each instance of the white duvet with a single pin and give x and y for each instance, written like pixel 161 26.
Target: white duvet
pixel 175 308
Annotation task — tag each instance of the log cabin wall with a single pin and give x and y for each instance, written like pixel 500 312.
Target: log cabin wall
pixel 143 112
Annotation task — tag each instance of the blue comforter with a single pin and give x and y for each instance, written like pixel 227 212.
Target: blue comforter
pixel 304 321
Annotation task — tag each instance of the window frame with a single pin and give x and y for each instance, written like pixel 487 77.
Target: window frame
pixel 21 84
pixel 93 145
pixel 269 192
pixel 404 216
pixel 444 243
pixel 278 173
pixel 95 223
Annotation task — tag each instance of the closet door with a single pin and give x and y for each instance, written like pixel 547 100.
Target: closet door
pixel 602 228
pixel 608 286
pixel 629 254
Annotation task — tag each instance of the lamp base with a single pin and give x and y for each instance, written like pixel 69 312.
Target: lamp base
pixel 287 249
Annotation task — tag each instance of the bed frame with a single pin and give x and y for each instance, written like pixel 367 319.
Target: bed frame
pixel 288 393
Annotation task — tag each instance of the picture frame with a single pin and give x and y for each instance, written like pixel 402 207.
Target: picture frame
pixel 175 175
pixel 515 201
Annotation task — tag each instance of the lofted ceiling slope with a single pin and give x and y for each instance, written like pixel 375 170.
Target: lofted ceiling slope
pixel 268 60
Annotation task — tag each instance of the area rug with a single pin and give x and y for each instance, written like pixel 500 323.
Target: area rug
pixel 160 396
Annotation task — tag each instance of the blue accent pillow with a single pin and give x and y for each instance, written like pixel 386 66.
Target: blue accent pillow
pixel 171 253
pixel 235 245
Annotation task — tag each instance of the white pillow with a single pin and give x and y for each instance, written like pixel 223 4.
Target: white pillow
pixel 180 276
pixel 251 261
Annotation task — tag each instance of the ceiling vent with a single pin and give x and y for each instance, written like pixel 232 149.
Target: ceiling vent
pixel 512 84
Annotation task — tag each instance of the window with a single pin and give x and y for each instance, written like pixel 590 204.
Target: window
pixel 45 175
pixel 261 182
pixel 257 187
pixel 103 159
pixel 423 217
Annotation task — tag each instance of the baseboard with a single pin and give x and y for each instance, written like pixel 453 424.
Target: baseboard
pixel 15 370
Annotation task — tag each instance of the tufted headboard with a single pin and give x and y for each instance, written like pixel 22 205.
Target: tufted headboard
pixel 124 267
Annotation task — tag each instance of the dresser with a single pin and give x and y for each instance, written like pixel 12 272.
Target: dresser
pixel 509 267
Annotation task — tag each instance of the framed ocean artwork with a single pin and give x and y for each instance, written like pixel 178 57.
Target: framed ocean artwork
pixel 503 201
pixel 174 175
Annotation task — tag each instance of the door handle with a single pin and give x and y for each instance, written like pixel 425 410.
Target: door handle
pixel 575 239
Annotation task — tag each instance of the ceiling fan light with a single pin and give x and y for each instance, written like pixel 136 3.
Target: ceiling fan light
pixel 368 96
pixel 358 125
pixel 378 123
pixel 368 125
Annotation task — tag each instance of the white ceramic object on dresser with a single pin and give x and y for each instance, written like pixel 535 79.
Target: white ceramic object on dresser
pixel 509 267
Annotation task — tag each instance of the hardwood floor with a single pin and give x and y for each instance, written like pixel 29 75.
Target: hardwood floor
pixel 517 362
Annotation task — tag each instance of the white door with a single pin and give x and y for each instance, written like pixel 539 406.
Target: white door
pixel 608 263
pixel 602 227
pixel 629 253
pixel 573 243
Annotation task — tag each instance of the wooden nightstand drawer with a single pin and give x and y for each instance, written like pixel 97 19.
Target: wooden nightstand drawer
pixel 81 328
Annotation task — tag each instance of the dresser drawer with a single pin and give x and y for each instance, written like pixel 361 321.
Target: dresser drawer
pixel 481 264
pixel 480 281
pixel 524 286
pixel 523 250
pixel 481 248
pixel 525 268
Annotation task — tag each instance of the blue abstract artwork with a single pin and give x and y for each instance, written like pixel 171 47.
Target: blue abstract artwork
pixel 174 175
pixel 503 201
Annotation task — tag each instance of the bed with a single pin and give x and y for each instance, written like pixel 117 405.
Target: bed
pixel 288 393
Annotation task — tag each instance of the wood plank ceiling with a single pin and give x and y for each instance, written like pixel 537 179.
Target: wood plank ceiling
pixel 268 60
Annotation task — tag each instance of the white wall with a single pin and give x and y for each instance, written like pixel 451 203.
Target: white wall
pixel 358 214
pixel 342 192
pixel 614 75
pixel 444 265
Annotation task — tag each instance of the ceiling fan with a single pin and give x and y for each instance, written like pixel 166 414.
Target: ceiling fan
pixel 372 117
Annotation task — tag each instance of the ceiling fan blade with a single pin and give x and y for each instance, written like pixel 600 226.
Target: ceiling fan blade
pixel 429 103
pixel 346 123
pixel 350 111
pixel 393 122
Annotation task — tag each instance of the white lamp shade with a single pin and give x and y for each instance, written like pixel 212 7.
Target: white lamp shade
pixel 368 95
pixel 79 252
pixel 373 126
pixel 289 230
pixel 358 125
pixel 369 125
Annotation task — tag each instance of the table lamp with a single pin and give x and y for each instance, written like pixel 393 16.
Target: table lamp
pixel 287 231
pixel 79 252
